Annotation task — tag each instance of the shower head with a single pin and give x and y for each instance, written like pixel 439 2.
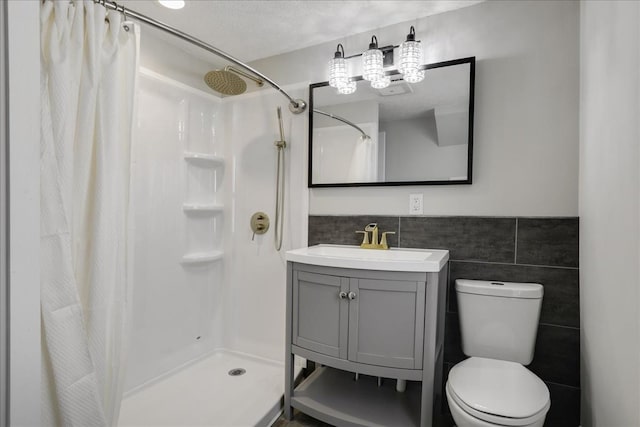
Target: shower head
pixel 227 82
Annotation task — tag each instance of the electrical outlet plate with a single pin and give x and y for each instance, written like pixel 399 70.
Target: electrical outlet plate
pixel 415 204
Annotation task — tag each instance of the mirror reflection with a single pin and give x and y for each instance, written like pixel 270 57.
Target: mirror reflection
pixel 404 134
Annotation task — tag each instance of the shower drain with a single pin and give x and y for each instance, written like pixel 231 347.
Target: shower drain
pixel 237 372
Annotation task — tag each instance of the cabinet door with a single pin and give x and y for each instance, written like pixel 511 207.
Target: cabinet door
pixel 386 322
pixel 320 314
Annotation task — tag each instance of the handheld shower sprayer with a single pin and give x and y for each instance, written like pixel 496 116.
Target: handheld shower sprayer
pixel 281 143
pixel 279 220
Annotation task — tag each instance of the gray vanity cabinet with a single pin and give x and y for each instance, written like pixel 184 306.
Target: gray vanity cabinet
pixel 320 316
pixel 386 322
pixel 379 324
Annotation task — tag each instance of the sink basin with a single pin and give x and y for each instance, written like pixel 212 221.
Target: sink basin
pixel 421 260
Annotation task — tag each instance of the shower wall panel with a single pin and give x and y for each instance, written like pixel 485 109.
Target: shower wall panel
pixel 177 228
pixel 255 270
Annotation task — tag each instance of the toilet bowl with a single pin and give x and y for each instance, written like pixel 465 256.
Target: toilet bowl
pixel 498 325
pixel 487 392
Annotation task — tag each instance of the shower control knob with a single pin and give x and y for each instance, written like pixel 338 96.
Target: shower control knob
pixel 342 295
pixel 259 223
pixel 352 295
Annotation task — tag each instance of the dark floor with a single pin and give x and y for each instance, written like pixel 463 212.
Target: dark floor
pixel 299 420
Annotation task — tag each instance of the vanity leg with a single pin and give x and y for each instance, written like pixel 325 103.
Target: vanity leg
pixel 288 386
pixel 289 361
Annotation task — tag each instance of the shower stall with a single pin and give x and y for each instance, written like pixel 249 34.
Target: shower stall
pixel 206 307
pixel 160 306
pixel 208 296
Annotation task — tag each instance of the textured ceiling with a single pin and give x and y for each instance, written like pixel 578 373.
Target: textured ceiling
pixel 251 30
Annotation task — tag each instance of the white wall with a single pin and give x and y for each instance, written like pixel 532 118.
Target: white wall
pixel 610 213
pixel 413 152
pixel 4 229
pixel 526 109
pixel 24 213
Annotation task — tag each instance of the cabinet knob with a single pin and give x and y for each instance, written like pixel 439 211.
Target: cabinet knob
pixel 352 295
pixel 342 295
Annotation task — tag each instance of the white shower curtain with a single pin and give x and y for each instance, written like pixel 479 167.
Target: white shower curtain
pixel 89 69
pixel 364 161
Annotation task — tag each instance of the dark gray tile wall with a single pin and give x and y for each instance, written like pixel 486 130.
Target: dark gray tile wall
pixel 467 238
pixel 539 250
pixel 341 230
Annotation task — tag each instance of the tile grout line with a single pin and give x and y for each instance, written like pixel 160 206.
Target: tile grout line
pixel 399 232
pixel 577 328
pixel 515 265
pixel 562 385
pixel 515 248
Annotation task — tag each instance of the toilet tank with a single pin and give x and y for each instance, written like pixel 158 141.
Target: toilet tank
pixel 499 320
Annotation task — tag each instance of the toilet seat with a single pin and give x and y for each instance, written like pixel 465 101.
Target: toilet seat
pixel 499 392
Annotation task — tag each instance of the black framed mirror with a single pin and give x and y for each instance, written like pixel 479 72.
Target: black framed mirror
pixel 405 134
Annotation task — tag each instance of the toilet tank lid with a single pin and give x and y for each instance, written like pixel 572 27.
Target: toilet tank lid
pixel 500 289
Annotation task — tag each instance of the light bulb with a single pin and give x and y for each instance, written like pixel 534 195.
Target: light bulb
pixel 338 75
pixel 411 58
pixel 372 61
pixel 382 82
pixel 337 72
pixel 348 88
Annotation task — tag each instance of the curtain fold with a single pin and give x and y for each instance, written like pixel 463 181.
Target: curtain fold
pixel 364 161
pixel 89 72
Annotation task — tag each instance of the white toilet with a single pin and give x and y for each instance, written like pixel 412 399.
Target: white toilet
pixel 498 322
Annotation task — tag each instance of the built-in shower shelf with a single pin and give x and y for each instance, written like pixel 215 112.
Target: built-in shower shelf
pixel 203 160
pixel 204 208
pixel 202 257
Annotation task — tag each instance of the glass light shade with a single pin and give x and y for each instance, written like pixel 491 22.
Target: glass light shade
pixel 414 77
pixel 382 82
pixel 338 72
pixel 371 64
pixel 348 88
pixel 410 57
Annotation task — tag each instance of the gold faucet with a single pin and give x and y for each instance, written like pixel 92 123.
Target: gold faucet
pixel 373 243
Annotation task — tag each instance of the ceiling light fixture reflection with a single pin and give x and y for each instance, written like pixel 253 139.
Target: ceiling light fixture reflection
pixel 172 4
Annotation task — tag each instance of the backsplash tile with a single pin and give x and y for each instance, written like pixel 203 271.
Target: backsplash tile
pixel 560 303
pixel 548 241
pixel 557 355
pixel 452 342
pixel 341 230
pixel 565 406
pixel 468 238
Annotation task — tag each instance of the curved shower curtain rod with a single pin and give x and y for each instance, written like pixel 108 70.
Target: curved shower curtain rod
pixel 343 120
pixel 296 106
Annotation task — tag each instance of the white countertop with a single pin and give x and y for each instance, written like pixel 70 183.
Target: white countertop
pixel 394 259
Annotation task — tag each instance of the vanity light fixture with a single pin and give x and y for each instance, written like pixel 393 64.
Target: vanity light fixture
pixel 411 58
pixel 382 82
pixel 338 75
pixel 372 62
pixel 172 4
pixel 348 88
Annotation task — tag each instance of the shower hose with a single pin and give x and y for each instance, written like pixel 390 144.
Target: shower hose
pixel 280 145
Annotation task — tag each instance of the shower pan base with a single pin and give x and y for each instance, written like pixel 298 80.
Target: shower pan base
pixel 204 394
